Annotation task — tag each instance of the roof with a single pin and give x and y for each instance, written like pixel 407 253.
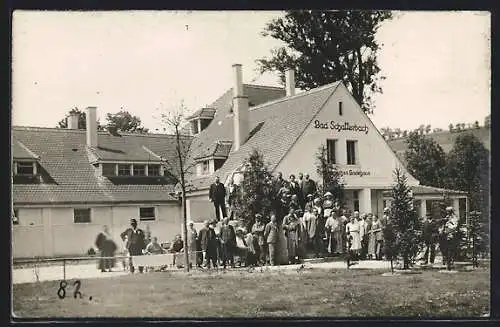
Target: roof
pixel 216 149
pixel 20 151
pixel 289 115
pixel 67 175
pixel 206 113
pixel 431 190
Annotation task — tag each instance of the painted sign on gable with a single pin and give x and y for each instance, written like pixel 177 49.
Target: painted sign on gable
pixel 345 126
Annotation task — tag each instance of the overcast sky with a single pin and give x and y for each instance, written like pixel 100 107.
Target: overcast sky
pixel 437 64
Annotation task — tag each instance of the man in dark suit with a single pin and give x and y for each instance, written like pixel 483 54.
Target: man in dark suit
pixel 203 237
pixel 211 243
pixel 228 243
pixel 430 237
pixel 135 242
pixel 217 195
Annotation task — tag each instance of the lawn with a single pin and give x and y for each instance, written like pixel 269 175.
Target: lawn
pixel 309 293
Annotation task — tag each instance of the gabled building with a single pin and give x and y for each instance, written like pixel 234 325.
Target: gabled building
pixel 288 132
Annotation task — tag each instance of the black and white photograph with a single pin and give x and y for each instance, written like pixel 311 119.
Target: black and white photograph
pixel 250 164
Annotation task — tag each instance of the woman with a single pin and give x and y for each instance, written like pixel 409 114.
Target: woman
pixel 192 245
pixel 353 233
pixel 375 242
pixel 106 248
pixel 330 226
pixel 291 226
pixel 338 233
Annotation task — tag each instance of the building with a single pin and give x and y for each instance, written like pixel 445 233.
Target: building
pixel 288 132
pixel 68 183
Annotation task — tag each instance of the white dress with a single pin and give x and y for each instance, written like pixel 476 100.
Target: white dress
pixel 353 229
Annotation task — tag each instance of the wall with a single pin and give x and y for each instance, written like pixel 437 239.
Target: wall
pixel 200 208
pixel 54 233
pixel 374 155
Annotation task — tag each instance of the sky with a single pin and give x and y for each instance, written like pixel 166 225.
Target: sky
pixel 436 64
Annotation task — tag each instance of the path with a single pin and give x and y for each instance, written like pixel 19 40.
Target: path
pixel 85 271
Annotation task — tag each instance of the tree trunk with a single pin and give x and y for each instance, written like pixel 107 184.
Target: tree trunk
pixel 392 266
pixel 184 215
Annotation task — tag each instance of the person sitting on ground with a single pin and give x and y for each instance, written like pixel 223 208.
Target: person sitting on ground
pixel 154 248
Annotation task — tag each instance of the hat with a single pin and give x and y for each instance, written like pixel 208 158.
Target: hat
pixel 310 195
pixel 449 208
pixel 258 215
pixel 386 209
pixel 328 194
pixel 133 221
pixel 190 222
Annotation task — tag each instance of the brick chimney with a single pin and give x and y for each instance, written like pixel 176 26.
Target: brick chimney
pixel 73 120
pixel 240 109
pixel 91 121
pixel 290 82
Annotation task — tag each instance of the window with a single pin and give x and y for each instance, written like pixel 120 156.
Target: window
pixel 15 217
pixel 147 213
pixel 340 108
pixel 330 151
pixel 153 170
pixel 205 123
pixel 194 127
pixel 205 167
pixel 81 215
pixel 356 200
pixel 351 152
pixel 123 170
pixel 108 169
pixel 25 168
pixel 417 205
pixel 139 170
pixel 218 163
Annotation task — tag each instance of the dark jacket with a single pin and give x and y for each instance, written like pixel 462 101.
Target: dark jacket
pixel 294 188
pixel 227 235
pixel 203 238
pixel 308 187
pixel 430 231
pixel 212 242
pixel 136 239
pixel 217 192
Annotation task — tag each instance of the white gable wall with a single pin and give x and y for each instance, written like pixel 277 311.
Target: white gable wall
pixel 373 154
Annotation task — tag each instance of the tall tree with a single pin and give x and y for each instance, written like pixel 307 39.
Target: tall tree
pixel 331 179
pixel 174 120
pixel 426 160
pixel 255 189
pixel 126 122
pixel 328 46
pixel 404 221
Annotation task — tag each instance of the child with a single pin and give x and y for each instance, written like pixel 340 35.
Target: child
pixel 125 253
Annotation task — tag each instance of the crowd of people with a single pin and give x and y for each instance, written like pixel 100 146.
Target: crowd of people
pixel 312 224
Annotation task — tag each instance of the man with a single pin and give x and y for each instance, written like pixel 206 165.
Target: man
pixel 308 186
pixel 192 244
pixel 258 230
pixel 363 235
pixel 447 237
pixel 293 186
pixel 271 237
pixel 279 182
pixel 135 242
pixel 211 245
pixel 176 247
pixel 228 243
pixel 429 234
pixel 232 197
pixel 204 242
pixel 217 195
pixel 311 220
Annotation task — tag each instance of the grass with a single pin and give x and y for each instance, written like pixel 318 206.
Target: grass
pixel 311 293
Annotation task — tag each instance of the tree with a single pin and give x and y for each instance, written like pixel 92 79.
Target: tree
pixel 450 127
pixel 405 133
pixel 468 171
pixel 426 160
pixel 476 124
pixel 404 221
pixel 328 46
pixel 125 122
pixel 174 120
pixel 428 129
pixel 256 192
pixel 331 179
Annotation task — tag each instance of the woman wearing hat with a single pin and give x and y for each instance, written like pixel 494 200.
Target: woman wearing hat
pixel 258 231
pixel 291 226
pixel 353 232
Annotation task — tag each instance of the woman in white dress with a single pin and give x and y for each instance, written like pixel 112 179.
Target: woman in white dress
pixel 352 230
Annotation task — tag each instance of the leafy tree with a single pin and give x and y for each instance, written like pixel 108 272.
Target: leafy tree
pixel 477 235
pixel 476 124
pixel 331 179
pixel 450 127
pixel 328 46
pixel 125 122
pixel 63 123
pixel 428 129
pixel 255 189
pixel 426 160
pixel 404 221
pixel 487 121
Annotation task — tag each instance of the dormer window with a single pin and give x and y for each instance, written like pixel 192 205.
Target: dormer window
pixel 139 170
pixel 25 168
pixel 124 170
pixel 130 170
pixel 153 170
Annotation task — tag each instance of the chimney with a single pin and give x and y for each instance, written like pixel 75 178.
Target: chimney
pixel 73 120
pixel 240 109
pixel 290 82
pixel 91 121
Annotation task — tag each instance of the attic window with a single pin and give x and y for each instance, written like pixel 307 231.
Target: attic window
pixel 25 168
pixel 340 108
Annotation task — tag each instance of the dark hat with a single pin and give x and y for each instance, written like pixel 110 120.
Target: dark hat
pixel 310 195
pixel 133 221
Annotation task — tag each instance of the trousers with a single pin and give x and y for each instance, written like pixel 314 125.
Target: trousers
pixel 272 253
